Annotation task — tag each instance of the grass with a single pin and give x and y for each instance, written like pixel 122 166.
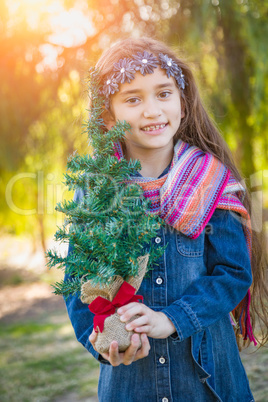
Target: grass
pixel 256 365
pixel 42 361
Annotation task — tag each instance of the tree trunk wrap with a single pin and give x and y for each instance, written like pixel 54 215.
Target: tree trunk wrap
pixel 114 329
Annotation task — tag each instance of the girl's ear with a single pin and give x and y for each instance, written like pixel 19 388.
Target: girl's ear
pixel 108 119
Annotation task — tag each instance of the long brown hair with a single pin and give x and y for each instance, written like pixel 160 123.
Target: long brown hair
pixel 198 129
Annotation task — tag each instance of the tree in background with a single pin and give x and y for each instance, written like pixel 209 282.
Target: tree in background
pixel 41 113
pixel 42 105
pixel 227 39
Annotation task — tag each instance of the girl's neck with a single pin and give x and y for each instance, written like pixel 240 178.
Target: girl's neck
pixel 153 162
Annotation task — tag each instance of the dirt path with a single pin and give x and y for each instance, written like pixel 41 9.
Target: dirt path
pixel 28 301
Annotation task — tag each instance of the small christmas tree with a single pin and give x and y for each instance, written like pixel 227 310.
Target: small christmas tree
pixel 110 226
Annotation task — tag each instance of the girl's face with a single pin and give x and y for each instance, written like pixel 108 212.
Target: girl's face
pixel 151 104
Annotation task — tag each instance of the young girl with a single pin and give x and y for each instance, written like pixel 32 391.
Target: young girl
pixel 189 350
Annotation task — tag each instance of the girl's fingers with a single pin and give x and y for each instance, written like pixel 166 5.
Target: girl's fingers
pixel 133 352
pixel 126 307
pixel 145 348
pixel 114 356
pixel 145 328
pixel 136 309
pixel 130 353
pixel 93 337
pixel 138 322
pixel 105 356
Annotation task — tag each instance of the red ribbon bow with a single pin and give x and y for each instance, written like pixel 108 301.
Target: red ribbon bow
pixel 103 308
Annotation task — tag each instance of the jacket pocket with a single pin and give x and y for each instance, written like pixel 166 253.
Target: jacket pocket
pixel 190 247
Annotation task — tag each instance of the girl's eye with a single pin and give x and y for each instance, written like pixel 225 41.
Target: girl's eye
pixel 132 100
pixel 164 94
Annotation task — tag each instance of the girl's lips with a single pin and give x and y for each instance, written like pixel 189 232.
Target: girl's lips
pixel 154 128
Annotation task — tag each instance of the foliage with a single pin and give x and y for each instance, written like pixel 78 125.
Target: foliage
pixel 226 40
pixel 41 113
pixel 42 103
pixel 110 226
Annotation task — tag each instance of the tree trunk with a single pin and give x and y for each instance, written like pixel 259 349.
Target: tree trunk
pixel 239 70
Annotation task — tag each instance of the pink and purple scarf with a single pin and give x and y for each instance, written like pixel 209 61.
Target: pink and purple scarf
pixel 186 197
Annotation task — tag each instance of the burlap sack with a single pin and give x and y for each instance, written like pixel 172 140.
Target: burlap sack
pixel 114 329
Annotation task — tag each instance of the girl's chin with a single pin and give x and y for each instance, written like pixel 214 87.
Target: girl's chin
pixel 150 143
pixel 155 145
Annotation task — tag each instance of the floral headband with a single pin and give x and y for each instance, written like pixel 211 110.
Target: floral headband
pixel 145 63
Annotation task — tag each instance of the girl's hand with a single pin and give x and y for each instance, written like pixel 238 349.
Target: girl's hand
pixel 132 353
pixel 152 323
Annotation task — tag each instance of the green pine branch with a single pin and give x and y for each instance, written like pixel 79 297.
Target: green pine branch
pixel 68 287
pixel 109 228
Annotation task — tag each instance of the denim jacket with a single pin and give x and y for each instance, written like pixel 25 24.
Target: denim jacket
pixel 196 283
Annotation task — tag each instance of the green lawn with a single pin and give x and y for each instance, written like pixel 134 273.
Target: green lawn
pixel 256 364
pixel 42 361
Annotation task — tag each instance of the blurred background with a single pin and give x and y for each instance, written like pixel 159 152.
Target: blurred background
pixel 46 49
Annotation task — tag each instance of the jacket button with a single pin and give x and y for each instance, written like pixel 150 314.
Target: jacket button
pixel 157 240
pixel 159 281
pixel 162 360
pixel 164 399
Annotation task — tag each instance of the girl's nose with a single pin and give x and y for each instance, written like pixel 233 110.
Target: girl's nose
pixel 152 109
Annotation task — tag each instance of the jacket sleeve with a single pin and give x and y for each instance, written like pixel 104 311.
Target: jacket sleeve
pixel 82 321
pixel 80 316
pixel 228 278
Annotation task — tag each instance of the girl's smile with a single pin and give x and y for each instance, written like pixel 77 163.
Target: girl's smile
pixel 151 104
pixel 156 128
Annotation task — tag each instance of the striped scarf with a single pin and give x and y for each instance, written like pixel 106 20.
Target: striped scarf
pixel 186 197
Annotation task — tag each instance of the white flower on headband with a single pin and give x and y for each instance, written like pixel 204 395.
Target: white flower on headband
pixel 180 80
pixel 172 69
pixel 124 71
pixel 110 86
pixel 169 65
pixel 145 62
